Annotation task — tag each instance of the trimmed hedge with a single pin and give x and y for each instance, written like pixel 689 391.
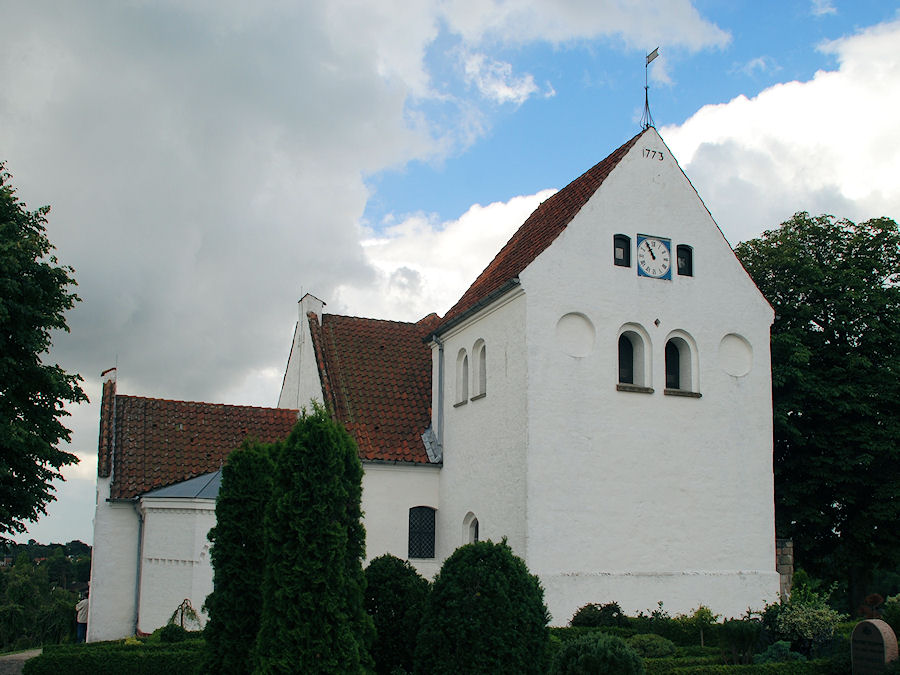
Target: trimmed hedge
pixel 185 658
pixel 791 668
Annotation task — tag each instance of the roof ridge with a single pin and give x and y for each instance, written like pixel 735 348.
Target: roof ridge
pixel 204 403
pixel 538 231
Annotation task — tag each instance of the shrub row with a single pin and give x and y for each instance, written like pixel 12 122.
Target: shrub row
pixel 116 657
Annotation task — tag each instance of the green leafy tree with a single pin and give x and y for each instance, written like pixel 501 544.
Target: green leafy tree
pixel 395 599
pixel 836 390
pixel 238 557
pixel 313 619
pixel 34 295
pixel 32 611
pixel 485 614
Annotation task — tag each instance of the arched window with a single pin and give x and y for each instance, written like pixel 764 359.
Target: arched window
pixel 480 353
pixel 673 366
pixel 470 529
pixel 626 360
pixel 421 532
pixel 622 250
pixel 684 257
pixel 681 365
pixel 462 377
pixel 634 369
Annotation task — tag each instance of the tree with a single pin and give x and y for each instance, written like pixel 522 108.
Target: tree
pixel 836 390
pixel 485 614
pixel 313 619
pixel 395 599
pixel 238 557
pixel 34 295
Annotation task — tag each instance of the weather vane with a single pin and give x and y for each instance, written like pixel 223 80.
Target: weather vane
pixel 646 118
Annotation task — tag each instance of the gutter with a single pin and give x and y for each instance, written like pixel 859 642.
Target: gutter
pixel 139 568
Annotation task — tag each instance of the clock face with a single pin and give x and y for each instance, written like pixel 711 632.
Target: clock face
pixel 654 257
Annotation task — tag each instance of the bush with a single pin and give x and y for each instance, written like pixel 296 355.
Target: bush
pixel 395 599
pixel 738 639
pixel 651 646
pixel 808 623
pixel 597 654
pixel 890 613
pixel 172 632
pixel 593 615
pixel 115 657
pixel 485 614
pixel 238 557
pixel 312 618
pixel 778 652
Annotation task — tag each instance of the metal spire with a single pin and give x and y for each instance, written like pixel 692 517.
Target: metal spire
pixel 646 118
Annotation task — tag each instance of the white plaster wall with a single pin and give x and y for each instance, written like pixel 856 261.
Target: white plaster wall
pixel 113 568
pixel 639 497
pixel 301 379
pixel 389 491
pixel 175 558
pixel 484 439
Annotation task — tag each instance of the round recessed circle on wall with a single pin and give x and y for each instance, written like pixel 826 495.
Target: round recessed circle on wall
pixel 575 334
pixel 735 355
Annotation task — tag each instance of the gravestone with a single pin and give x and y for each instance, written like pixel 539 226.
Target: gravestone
pixel 872 646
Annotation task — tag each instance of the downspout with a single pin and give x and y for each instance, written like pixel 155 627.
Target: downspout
pixel 440 402
pixel 139 568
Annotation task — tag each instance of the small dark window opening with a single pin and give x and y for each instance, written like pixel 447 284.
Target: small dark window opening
pixel 685 258
pixel 626 360
pixel 473 531
pixel 673 366
pixel 622 250
pixel 421 532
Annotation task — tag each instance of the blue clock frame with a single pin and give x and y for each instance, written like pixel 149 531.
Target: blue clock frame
pixel 667 243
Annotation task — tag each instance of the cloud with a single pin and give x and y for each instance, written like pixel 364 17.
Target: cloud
pixel 824 146
pixel 412 280
pixel 760 64
pixel 822 7
pixel 495 80
pixel 638 23
pixel 207 161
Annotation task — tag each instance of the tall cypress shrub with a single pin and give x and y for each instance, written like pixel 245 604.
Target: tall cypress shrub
pixel 485 614
pixel 238 558
pixel 313 620
pixel 395 599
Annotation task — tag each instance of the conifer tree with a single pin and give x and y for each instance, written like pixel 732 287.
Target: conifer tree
pixel 313 619
pixel 238 558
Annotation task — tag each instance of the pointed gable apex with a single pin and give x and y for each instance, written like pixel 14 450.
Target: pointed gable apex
pixel 540 230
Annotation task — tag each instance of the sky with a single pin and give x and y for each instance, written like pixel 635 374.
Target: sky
pixel 209 162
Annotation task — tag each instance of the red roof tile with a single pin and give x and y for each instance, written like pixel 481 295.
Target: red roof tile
pixel 541 228
pixel 376 378
pixel 158 442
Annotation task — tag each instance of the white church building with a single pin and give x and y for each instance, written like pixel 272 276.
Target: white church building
pixel 600 396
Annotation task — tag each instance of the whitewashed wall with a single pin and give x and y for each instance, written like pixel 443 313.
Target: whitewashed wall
pixel 113 568
pixel 485 438
pixel 636 497
pixel 389 491
pixel 301 382
pixel 175 561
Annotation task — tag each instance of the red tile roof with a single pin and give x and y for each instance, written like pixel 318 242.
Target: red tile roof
pixel 158 442
pixel 376 378
pixel 537 233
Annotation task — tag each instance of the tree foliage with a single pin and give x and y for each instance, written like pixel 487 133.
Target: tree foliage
pixel 238 557
pixel 34 295
pixel 395 599
pixel 33 610
pixel 836 389
pixel 485 614
pixel 313 619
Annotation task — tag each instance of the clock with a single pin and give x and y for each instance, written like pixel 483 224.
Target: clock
pixel 654 257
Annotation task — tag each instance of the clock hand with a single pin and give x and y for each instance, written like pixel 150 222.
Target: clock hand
pixel 652 254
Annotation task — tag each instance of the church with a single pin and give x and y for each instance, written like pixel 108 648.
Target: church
pixel 600 396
